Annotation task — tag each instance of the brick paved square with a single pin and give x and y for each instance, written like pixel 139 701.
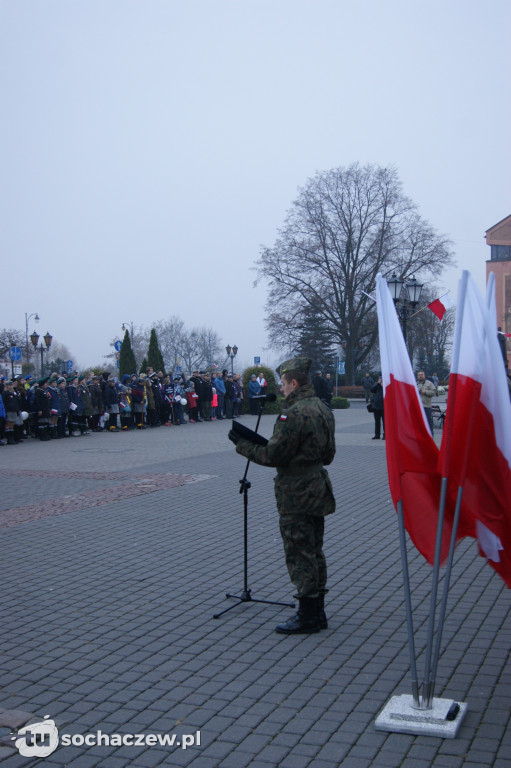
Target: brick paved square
pixel 112 574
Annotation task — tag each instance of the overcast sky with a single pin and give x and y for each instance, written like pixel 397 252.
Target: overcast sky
pixel 149 147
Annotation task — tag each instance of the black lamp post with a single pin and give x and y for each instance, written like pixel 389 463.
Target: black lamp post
pixel 405 296
pixel 48 338
pixel 231 352
pixel 34 338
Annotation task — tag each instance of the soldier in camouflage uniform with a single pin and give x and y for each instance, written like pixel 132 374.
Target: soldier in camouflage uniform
pixel 303 441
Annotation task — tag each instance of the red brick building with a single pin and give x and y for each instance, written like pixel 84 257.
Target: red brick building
pixel 498 238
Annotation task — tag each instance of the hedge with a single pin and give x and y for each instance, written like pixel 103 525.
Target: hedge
pixel 340 402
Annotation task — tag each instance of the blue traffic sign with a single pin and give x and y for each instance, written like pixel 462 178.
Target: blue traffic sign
pixel 69 366
pixel 257 361
pixel 15 353
pixel 118 345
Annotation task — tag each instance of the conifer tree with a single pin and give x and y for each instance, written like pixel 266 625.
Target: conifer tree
pixel 143 367
pixel 127 362
pixel 154 355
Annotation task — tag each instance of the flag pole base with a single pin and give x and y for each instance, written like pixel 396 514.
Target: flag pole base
pixel 402 715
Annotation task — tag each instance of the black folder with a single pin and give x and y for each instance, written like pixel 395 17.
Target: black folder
pixel 248 434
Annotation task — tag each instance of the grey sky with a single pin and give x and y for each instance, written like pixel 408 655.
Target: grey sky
pixel 149 148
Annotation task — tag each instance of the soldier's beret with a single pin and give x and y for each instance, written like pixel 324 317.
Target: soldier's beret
pixel 302 364
pixel 43 380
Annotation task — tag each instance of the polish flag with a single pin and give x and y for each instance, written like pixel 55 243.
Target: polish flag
pixel 440 306
pixel 412 454
pixel 476 444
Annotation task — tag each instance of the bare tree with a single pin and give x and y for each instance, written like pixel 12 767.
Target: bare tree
pixel 10 337
pixel 190 349
pixel 346 226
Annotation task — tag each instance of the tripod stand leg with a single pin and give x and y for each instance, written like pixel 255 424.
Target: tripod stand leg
pixel 246 596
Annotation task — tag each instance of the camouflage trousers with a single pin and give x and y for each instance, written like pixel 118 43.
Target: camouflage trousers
pixel 302 536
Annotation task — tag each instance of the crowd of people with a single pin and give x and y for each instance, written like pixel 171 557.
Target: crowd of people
pixel 60 406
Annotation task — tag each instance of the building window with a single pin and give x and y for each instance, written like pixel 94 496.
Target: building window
pixel 501 252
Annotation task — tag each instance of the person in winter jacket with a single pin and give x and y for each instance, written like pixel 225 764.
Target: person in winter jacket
pixel 76 421
pixel 218 383
pixel 42 404
pixel 377 392
pixel 112 405
pixel 254 389
pixel 138 400
pixel 191 401
pixel 64 407
pixel 12 411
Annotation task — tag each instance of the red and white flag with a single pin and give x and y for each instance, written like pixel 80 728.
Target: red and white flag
pixel 476 444
pixel 412 454
pixel 440 306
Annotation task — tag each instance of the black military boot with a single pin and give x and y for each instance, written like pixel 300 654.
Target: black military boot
pixel 322 619
pixel 305 621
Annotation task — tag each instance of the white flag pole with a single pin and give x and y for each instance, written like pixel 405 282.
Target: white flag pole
pixel 408 603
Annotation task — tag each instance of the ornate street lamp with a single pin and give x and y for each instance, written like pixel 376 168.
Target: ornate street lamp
pixel 406 296
pixel 231 352
pixel 48 338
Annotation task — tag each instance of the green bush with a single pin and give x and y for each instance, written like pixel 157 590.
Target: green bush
pixel 269 375
pixel 340 402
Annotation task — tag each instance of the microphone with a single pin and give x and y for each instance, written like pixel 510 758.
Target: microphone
pixel 269 398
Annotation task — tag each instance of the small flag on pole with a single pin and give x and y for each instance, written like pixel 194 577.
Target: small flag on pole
pixel 440 306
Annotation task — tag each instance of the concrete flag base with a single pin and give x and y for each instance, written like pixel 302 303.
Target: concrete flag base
pixel 401 715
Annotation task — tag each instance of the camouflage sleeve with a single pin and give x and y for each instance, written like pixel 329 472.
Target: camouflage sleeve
pixel 281 447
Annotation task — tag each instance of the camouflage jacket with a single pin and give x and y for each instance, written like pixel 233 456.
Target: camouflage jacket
pixel 303 441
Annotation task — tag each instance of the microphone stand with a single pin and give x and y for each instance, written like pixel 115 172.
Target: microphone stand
pixel 246 594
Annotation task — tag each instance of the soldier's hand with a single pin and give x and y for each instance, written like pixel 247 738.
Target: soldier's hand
pixel 233 436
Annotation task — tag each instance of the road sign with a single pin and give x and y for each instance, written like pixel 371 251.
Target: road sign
pixel 69 366
pixel 341 367
pixel 15 353
pixel 257 361
pixel 118 345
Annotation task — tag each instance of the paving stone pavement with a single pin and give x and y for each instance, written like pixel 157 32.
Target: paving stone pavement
pixel 117 549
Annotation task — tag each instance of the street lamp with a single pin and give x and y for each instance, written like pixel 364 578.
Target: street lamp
pixel 231 352
pixel 27 318
pixel 48 338
pixel 405 296
pixel 131 326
